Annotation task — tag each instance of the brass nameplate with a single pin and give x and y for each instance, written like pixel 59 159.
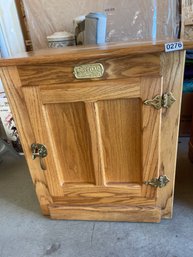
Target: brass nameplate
pixel 89 71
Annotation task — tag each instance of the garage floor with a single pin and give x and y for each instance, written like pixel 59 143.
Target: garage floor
pixel 24 232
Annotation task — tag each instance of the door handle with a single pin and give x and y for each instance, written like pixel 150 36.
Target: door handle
pixel 39 150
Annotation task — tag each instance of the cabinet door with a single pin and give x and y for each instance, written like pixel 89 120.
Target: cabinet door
pixel 103 144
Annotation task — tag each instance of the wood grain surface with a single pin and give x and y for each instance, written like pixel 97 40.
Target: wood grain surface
pixel 68 128
pixel 133 214
pixel 120 122
pixel 92 114
pixel 89 91
pixel 173 69
pixel 115 68
pixel 113 50
pixel 41 132
pixel 110 199
pixel 151 127
pixel 15 96
pixel 119 107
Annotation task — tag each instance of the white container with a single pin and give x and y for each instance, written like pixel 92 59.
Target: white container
pixel 61 39
pixel 79 28
pixel 95 28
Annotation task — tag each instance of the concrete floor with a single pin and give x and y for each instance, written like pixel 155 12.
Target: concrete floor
pixel 24 232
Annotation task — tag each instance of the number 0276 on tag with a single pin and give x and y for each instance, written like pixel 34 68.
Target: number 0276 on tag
pixel 175 46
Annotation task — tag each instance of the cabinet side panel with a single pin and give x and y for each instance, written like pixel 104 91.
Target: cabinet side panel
pixel 150 87
pixel 173 72
pixel 12 85
pixel 120 122
pixel 70 132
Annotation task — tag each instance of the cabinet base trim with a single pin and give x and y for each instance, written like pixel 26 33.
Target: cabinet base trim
pixel 131 214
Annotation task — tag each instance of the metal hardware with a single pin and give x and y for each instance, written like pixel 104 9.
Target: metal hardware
pixel 168 100
pixel 156 102
pixel 89 71
pixel 158 182
pixel 39 150
pixel 164 101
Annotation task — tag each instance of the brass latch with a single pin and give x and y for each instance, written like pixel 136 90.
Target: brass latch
pixel 164 101
pixel 39 150
pixel 158 182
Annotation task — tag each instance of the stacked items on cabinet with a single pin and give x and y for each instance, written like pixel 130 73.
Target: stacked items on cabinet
pixel 187 34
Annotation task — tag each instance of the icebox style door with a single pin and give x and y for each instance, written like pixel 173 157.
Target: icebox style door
pixel 103 143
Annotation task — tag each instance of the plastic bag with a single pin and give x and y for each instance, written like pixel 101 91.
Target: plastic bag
pixel 127 20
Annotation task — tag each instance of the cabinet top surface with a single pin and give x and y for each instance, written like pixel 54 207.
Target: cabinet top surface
pixel 71 54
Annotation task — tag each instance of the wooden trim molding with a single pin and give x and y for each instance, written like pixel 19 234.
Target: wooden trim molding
pixel 112 50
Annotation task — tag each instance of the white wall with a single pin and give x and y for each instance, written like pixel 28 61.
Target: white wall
pixel 11 38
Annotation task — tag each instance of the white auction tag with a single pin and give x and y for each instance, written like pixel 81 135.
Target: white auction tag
pixel 175 46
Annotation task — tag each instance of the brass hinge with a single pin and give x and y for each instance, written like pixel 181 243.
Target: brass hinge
pixel 39 150
pixel 158 182
pixel 164 101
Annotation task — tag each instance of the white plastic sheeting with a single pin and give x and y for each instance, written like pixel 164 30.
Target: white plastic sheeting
pixel 127 20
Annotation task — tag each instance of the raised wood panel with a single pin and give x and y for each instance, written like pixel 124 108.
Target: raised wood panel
pixel 115 68
pixel 120 122
pixel 90 91
pixel 68 128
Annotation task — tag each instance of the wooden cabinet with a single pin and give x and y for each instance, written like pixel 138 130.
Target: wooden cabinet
pixel 104 144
